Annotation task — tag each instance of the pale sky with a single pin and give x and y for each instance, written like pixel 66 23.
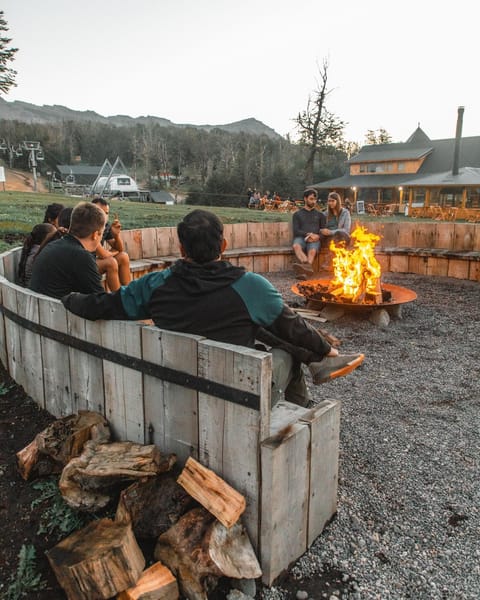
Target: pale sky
pixel 391 64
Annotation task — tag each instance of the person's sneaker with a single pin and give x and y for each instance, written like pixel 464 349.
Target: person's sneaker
pixel 332 367
pixel 302 270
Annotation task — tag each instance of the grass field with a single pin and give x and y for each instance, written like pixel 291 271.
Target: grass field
pixel 20 211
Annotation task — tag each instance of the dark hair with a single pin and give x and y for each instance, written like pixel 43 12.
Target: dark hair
pixel 52 211
pixel 86 218
pixel 309 192
pixel 34 238
pixel 201 235
pixel 100 200
pixel 64 217
pixel 338 203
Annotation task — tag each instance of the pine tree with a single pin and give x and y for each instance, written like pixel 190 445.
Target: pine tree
pixel 7 75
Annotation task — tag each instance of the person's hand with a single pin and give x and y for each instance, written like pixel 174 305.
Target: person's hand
pixel 333 352
pixel 325 231
pixel 115 227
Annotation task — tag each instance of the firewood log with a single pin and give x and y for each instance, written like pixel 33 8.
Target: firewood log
pixel 90 481
pixel 61 441
pixel 155 583
pixel 199 550
pixel 212 492
pixel 153 505
pixel 97 562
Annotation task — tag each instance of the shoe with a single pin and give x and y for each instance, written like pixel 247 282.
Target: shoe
pixel 332 367
pixel 302 270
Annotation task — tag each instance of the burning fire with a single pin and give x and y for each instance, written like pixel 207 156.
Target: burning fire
pixel 356 271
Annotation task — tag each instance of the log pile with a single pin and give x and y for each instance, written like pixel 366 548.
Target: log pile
pixel 194 545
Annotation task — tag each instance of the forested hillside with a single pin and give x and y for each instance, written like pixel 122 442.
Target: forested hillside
pixel 215 166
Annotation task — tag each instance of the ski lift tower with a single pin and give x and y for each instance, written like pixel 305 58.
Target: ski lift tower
pixel 35 154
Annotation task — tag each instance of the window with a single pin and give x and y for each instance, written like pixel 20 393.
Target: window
pixel 123 180
pixel 401 166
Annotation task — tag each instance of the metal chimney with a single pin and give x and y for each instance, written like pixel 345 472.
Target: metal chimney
pixel 458 137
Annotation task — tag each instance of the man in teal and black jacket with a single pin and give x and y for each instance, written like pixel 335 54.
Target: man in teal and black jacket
pixel 204 295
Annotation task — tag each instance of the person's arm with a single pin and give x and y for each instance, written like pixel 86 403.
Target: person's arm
pixel 344 221
pixel 116 242
pixel 129 302
pixel 86 277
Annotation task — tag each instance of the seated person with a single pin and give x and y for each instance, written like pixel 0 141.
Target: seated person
pixel 67 264
pixel 202 294
pixel 337 227
pixel 338 221
pixel 306 224
pixel 30 249
pixel 51 213
pixel 115 263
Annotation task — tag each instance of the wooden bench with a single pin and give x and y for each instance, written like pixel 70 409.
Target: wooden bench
pixel 188 395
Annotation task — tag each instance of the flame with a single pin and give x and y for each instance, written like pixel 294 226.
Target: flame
pixel 356 271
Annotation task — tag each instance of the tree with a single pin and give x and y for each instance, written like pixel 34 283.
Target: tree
pixel 378 136
pixel 318 128
pixel 7 75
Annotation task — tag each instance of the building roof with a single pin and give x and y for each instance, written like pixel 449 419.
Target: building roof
pixel 467 176
pixel 438 162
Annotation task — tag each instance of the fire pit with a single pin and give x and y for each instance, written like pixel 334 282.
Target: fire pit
pixel 356 282
pixel 316 292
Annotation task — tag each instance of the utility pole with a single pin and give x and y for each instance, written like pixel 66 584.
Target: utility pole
pixel 35 154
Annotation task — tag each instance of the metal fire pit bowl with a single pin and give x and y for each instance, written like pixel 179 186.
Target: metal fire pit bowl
pixel 399 295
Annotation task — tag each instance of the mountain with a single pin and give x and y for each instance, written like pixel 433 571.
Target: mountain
pixel 31 113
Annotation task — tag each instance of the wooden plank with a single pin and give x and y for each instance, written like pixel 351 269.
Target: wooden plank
pixel 228 234
pixel 271 235
pixel 474 270
pixel 260 264
pixel 278 263
pixel 444 237
pixel 437 266
pixel 425 235
pixel 285 492
pixel 239 236
pixel 9 264
pixel 86 370
pixel 324 423
pixel 167 242
pixel 399 263
pixel 285 234
pixel 55 358
pixel 476 238
pixel 383 261
pixel 417 264
pixel 3 334
pixel 255 234
pixel 123 386
pixel 229 434
pixel 406 235
pixel 149 242
pixel 458 268
pixel 132 241
pixel 31 349
pixel 389 235
pixel 246 262
pixel 463 237
pixel 14 363
pixel 171 411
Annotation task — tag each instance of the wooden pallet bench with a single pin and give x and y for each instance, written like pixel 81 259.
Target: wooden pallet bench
pixel 188 395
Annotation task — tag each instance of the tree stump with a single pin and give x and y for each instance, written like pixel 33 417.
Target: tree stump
pixel 98 561
pixel 155 583
pixel 89 481
pixel 61 441
pixel 199 550
pixel 153 505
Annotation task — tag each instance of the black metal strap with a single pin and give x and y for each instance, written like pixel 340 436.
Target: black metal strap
pixel 192 382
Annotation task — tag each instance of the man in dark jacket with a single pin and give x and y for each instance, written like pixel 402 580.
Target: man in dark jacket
pixel 202 294
pixel 67 264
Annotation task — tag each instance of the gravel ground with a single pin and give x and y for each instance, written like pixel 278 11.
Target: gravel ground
pixel 409 480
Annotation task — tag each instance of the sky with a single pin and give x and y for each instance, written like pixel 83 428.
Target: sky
pixel 390 65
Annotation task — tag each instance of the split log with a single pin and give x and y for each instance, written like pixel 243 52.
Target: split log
pixel 155 583
pixel 61 441
pixel 199 550
pixel 152 506
pixel 212 492
pixel 90 481
pixel 98 561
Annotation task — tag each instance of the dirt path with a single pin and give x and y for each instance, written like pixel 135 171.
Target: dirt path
pixel 21 181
